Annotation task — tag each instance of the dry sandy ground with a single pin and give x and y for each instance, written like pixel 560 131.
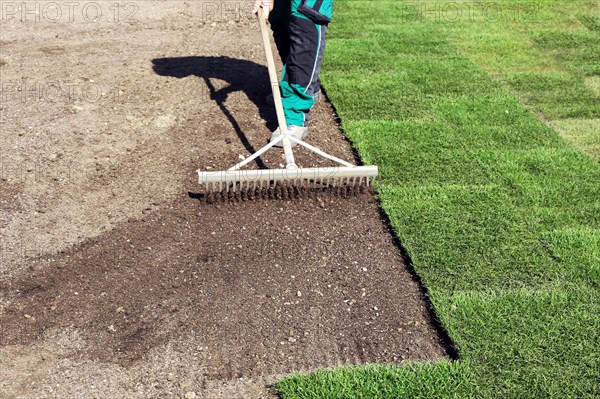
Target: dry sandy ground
pixel 116 281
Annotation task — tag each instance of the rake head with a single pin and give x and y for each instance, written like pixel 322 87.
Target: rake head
pixel 284 183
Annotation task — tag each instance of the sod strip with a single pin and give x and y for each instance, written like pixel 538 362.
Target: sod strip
pixel 500 216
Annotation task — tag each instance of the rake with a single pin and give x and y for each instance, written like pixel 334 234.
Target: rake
pixel 292 179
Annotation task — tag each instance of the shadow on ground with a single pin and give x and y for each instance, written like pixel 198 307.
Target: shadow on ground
pixel 241 75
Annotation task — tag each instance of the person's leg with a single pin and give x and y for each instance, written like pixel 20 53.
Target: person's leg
pixel 315 86
pixel 279 20
pixel 301 71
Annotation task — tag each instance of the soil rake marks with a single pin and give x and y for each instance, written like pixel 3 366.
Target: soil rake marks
pixel 293 178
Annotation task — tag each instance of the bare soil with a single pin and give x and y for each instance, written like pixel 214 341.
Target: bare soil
pixel 116 280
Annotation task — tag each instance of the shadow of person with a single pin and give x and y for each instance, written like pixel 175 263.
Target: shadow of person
pixel 241 75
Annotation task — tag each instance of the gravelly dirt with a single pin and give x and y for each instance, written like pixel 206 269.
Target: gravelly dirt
pixel 115 280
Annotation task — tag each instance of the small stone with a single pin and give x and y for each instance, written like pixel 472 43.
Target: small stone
pixel 364 269
pixel 190 395
pixel 120 309
pixel 241 157
pixel 299 294
pixel 375 308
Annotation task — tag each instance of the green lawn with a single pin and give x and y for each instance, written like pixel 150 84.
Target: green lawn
pixel 547 51
pixel 486 187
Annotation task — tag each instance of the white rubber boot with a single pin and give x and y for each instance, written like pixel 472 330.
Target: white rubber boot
pixel 299 132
